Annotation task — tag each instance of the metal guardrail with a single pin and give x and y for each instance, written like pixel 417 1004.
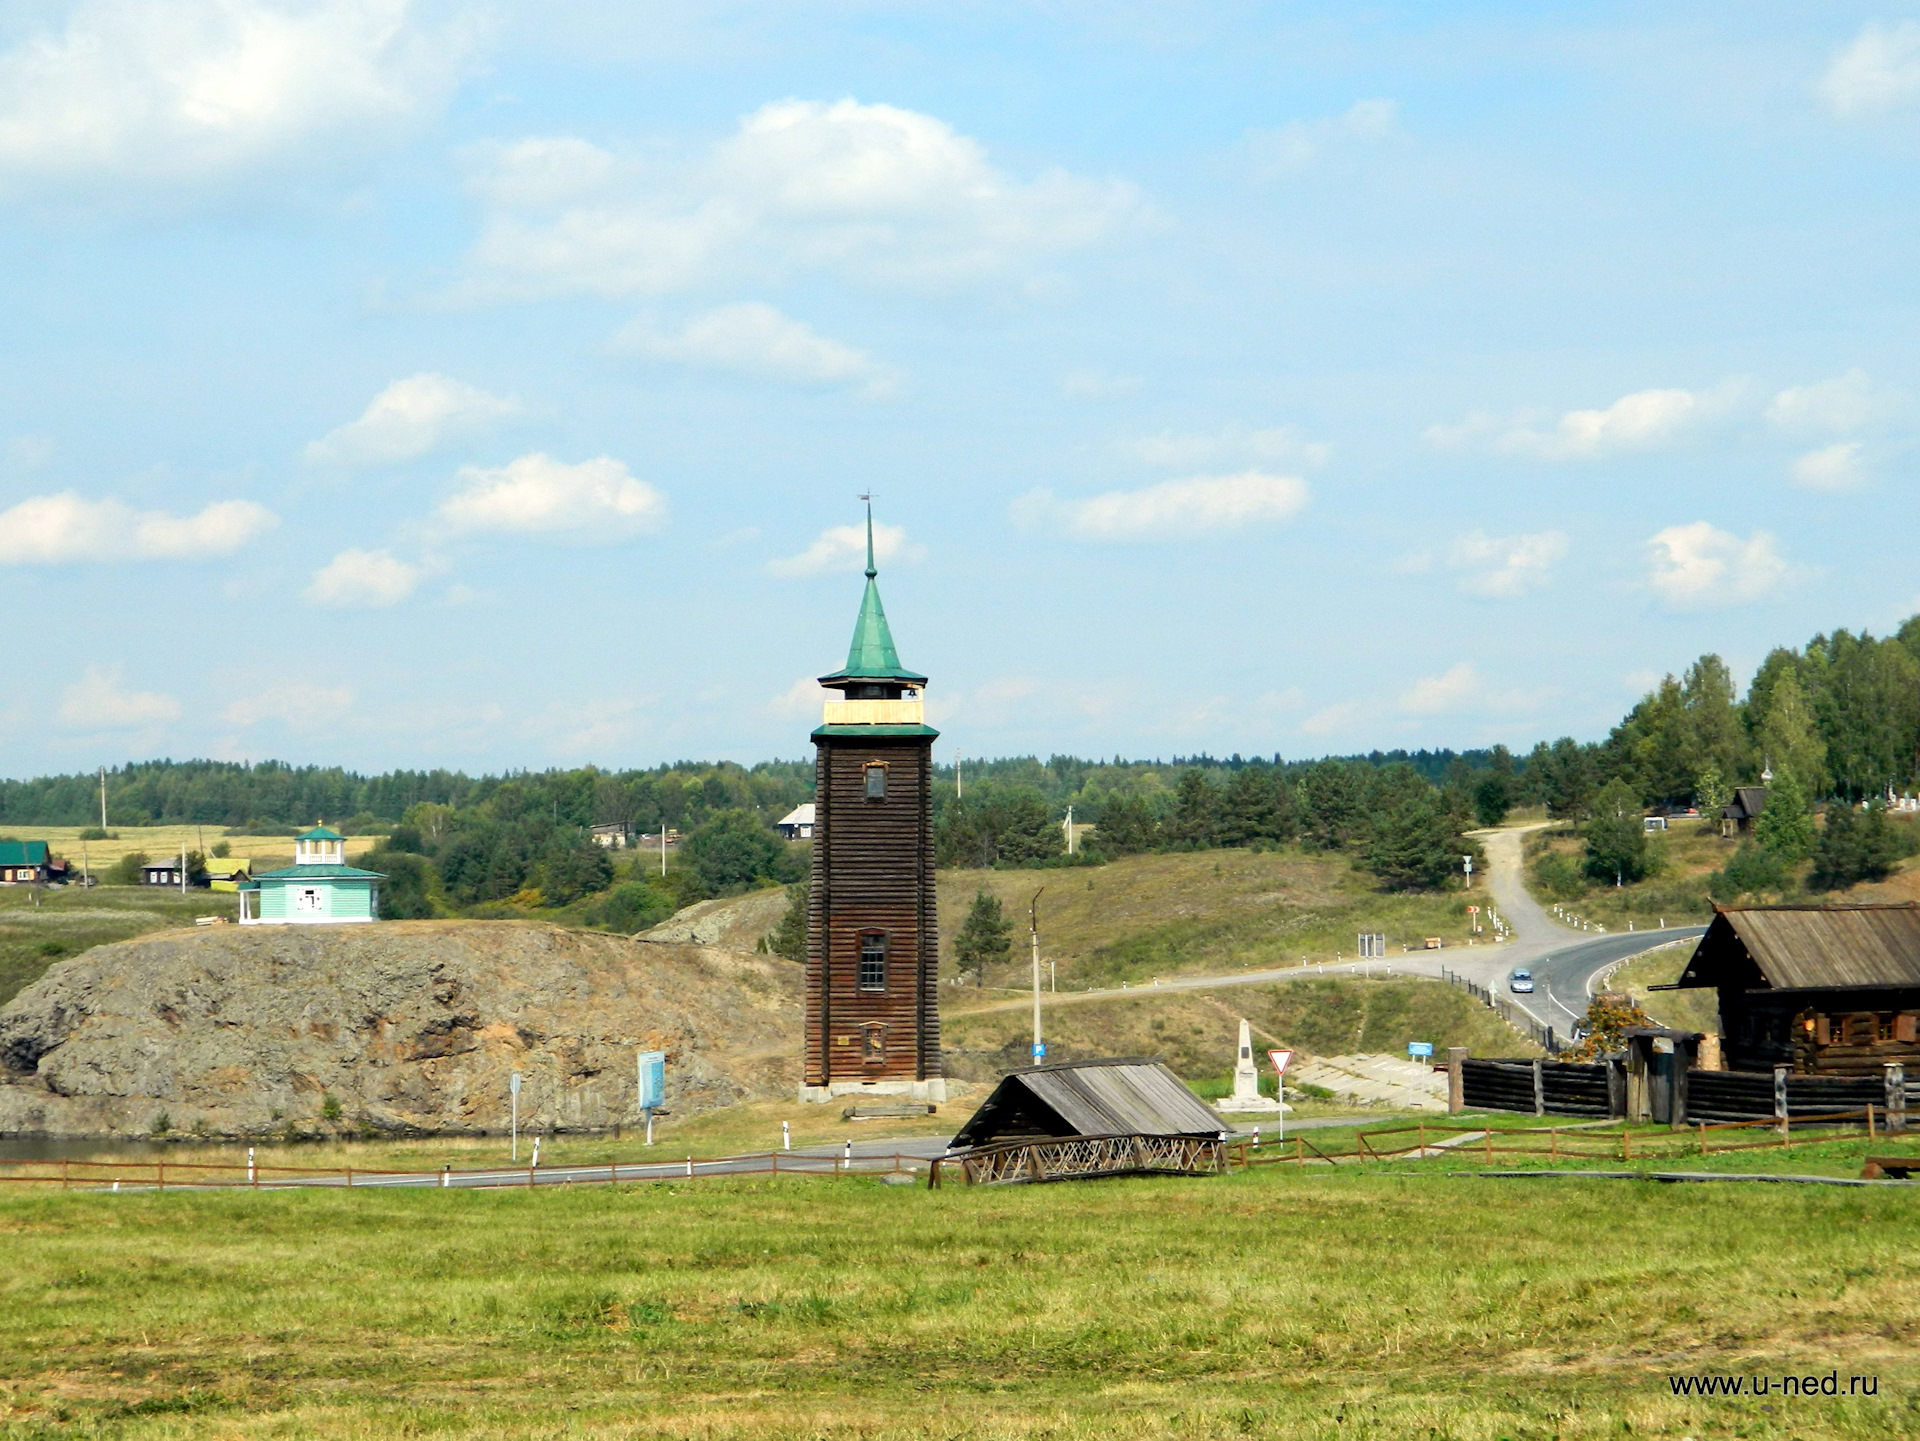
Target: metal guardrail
pixel 164 1175
pixel 1541 1036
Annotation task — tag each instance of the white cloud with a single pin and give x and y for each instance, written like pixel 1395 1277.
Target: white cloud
pixel 1632 423
pixel 410 418
pixel 1507 565
pixel 802 698
pixel 844 547
pixel 1297 144
pixel 1450 690
pixel 538 495
pixel 1233 445
pixel 192 90
pixel 363 580
pixel 299 704
pixel 1877 71
pixel 875 192
pixel 1832 467
pixel 1698 565
pixel 1846 402
pixel 51 529
pixel 1174 509
pixel 1334 718
pixel 100 701
pixel 754 339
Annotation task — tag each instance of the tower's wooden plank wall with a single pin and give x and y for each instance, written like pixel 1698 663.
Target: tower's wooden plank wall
pixel 872 871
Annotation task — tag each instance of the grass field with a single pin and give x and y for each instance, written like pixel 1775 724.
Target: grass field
pixel 1196 912
pixel 39 927
pixel 1263 1304
pixel 1683 1010
pixel 1684 857
pixel 1197 1032
pixel 162 841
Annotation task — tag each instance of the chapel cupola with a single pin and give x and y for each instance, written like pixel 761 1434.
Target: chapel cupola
pixel 320 847
pixel 873 671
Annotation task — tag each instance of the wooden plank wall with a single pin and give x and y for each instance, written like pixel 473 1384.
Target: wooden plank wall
pixel 872 871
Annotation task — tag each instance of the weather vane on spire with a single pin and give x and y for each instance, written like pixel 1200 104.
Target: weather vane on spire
pixel 872 571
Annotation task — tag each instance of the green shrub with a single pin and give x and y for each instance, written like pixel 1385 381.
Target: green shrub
pixel 1560 876
pixel 629 907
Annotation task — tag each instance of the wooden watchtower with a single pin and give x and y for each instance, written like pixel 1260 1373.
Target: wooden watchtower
pixel 872 1005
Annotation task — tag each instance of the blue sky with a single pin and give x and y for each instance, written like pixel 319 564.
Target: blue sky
pixel 391 383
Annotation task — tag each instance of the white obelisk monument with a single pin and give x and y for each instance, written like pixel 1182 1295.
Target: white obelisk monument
pixel 1246 1098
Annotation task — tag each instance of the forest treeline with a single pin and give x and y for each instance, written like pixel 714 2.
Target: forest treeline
pixel 1836 719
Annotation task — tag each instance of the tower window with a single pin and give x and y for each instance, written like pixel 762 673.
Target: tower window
pixel 876 776
pixel 873 962
pixel 874 1043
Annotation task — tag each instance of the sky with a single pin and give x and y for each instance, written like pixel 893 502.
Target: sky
pixel 397 384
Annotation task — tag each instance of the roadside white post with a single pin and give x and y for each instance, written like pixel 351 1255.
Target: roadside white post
pixel 786 1137
pixel 252 1176
pixel 536 1152
pixel 513 1090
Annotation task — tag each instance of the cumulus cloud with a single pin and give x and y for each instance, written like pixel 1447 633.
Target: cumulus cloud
pixel 1294 146
pixel 755 339
pixel 844 547
pixel 1836 406
pixel 1234 444
pixel 101 701
pixel 1699 565
pixel 1832 467
pixel 363 580
pixel 54 529
pixel 1334 718
pixel 1450 690
pixel 299 704
pixel 1504 566
pixel 875 192
pixel 194 90
pixel 1199 505
pixel 410 418
pixel 1644 420
pixel 1877 71
pixel 538 495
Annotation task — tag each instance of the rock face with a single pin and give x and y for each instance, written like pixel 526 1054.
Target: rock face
pixel 410 1026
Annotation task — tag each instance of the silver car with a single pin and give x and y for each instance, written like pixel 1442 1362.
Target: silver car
pixel 1521 982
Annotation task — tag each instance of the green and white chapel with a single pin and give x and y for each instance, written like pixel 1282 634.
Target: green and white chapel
pixel 318 889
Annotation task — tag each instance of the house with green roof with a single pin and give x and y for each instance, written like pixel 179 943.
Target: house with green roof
pixel 318 889
pixel 24 863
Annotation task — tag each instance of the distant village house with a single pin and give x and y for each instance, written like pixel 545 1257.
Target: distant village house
pixel 614 836
pixel 797 824
pixel 25 863
pixel 1738 815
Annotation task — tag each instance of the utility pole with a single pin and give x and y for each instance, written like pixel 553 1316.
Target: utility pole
pixel 103 798
pixel 1033 932
pixel 663 842
pixel 959 785
pixel 1069 830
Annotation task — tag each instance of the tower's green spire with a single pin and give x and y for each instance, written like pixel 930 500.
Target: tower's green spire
pixel 872 656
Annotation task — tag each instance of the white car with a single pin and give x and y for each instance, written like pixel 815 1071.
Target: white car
pixel 1521 983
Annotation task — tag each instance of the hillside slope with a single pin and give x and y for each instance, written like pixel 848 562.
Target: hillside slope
pixel 407 1027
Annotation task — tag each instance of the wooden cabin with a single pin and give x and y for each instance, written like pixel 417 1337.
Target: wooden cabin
pixel 25 863
pixel 1738 815
pixel 1823 990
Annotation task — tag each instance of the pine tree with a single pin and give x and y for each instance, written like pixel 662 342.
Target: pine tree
pixel 985 938
pixel 1257 806
pixel 1127 826
pixel 1195 804
pixel 1854 846
pixel 1415 846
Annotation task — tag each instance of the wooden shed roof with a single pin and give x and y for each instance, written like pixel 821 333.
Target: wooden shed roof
pixel 1808 948
pixel 1129 1096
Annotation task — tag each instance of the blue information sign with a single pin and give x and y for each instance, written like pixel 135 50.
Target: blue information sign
pixel 1417 1049
pixel 1039 1050
pixel 653 1080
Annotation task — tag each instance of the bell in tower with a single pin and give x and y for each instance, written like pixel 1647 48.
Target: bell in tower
pixel 872 1002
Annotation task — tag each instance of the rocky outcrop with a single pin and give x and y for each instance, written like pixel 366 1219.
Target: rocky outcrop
pixel 737 923
pixel 400 1027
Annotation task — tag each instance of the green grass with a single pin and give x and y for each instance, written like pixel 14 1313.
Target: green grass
pixel 1196 1032
pixel 65 922
pixel 1684 856
pixel 1196 912
pixel 1266 1304
pixel 1683 1010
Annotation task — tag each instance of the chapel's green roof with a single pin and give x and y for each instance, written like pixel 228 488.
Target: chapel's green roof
pixel 871 656
pixel 320 833
pixel 321 873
